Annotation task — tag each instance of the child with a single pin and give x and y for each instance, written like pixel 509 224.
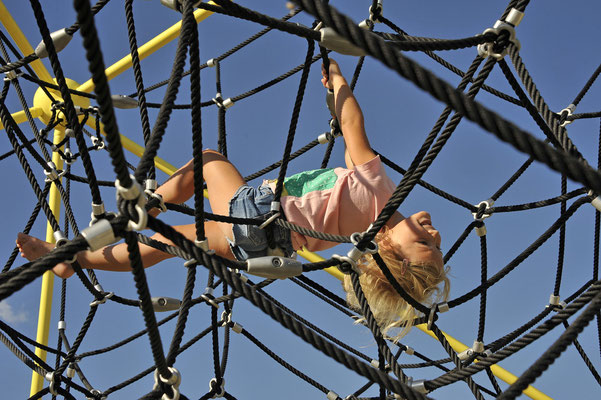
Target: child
pixel 337 201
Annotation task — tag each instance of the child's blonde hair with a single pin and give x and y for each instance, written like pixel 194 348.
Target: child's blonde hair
pixel 421 280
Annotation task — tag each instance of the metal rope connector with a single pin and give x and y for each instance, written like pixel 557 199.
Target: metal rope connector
pixel 97 142
pixel 106 296
pixel 332 395
pixel 53 174
pixel 162 304
pixel 488 49
pixel 226 318
pixel 134 192
pixel 124 102
pixel 596 202
pixel 568 112
pixel 208 297
pixel 225 104
pixel 556 303
pixel 221 388
pixel 274 267
pixel 12 75
pixel 99 234
pixel 333 41
pixel 60 39
pixel 174 382
pixel 354 254
pixel 419 386
pixel 67 157
pixel 440 307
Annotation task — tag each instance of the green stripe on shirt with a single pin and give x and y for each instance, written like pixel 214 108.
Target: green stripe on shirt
pixel 302 183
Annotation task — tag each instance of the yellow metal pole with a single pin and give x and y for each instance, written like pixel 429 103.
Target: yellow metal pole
pixel 21 116
pixel 146 49
pixel 54 201
pixel 21 41
pixel 498 371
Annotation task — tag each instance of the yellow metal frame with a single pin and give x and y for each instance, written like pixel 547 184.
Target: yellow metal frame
pixel 113 71
pixel 54 198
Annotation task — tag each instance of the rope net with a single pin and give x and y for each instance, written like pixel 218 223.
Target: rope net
pixel 502 258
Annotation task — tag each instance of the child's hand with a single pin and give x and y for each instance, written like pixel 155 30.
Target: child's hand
pixel 328 78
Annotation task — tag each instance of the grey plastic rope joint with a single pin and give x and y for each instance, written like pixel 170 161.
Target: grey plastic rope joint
pixel 440 307
pixel 99 234
pixel 274 267
pixel 333 41
pixel 478 347
pixel 172 4
pixel 53 174
pixel 568 110
pixel 60 39
pixel 556 303
pixel 213 384
pixel 174 381
pixel 62 325
pixel 162 304
pixel 134 192
pixel 487 49
pixel 124 102
pixel 464 355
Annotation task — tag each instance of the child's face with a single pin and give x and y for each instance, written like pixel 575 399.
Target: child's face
pixel 418 239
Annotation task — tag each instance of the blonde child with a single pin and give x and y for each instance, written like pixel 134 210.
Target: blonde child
pixel 338 201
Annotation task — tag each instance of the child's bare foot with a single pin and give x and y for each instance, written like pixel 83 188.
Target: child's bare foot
pixel 33 248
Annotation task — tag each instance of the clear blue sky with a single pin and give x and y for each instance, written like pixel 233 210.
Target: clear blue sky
pixel 560 50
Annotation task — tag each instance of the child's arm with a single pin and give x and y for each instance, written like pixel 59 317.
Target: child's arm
pixel 350 118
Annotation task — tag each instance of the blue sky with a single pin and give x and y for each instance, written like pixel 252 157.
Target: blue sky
pixel 559 48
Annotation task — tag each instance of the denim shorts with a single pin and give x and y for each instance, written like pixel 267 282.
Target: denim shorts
pixel 248 240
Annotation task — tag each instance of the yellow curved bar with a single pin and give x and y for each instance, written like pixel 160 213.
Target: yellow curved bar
pixel 498 371
pixel 146 49
pixel 21 116
pixel 21 41
pixel 44 314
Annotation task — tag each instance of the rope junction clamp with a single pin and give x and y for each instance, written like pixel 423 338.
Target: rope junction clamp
pixel 596 202
pixel 354 254
pixel 162 304
pixel 333 41
pixel 332 395
pixel 124 102
pixel 162 207
pixel 51 377
pixel 70 132
pixel 60 39
pixel 556 303
pixel 53 174
pixel 107 296
pixel 98 143
pixel 99 234
pixel 98 210
pixel 96 393
pixel 62 325
pixel 442 307
pixel 11 75
pixel 419 386
pixel 375 12
pixel 513 20
pixel 213 383
pixel 209 297
pixel 134 192
pixel 218 100
pixel 274 267
pixel 568 112
pixel 204 246
pixel 174 382
pixel 59 238
pixel 226 317
pixel 481 230
pixel 67 157
pixel 71 371
pixel 275 209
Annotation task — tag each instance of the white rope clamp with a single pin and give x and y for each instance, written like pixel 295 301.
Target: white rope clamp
pixel 208 296
pixel 134 192
pixel 162 207
pixel 53 174
pixel 51 377
pixel 98 143
pixel 99 234
pixel 487 49
pixel 162 304
pixel 596 202
pixel 221 393
pixel 60 39
pixel 556 303
pixel 568 110
pixel 11 75
pixel 97 302
pixel 226 318
pixel 174 382
pixel 354 254
pixel 440 307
